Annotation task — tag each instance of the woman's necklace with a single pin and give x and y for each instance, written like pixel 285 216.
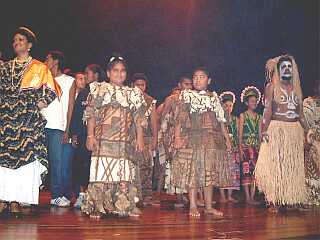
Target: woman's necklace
pixel 20 73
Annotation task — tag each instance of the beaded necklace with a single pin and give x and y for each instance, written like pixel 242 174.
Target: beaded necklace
pixel 20 73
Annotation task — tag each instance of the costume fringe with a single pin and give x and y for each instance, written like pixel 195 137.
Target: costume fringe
pixel 279 171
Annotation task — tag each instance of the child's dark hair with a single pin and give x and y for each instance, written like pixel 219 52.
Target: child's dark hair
pixel 202 69
pixel 95 68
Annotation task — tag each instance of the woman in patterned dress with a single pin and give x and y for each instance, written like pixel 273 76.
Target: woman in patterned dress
pixel 115 120
pixel 249 140
pixel 26 87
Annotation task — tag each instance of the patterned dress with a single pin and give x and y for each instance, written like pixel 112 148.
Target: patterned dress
pixel 23 155
pixel 235 157
pixel 199 162
pixel 250 147
pixel 311 107
pixel 114 171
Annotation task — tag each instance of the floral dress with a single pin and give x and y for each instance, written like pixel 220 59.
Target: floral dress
pixel 235 156
pixel 250 147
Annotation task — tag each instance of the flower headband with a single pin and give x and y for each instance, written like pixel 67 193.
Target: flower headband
pixel 250 91
pixel 228 95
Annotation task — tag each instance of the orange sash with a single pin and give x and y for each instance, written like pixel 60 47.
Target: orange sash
pixel 38 75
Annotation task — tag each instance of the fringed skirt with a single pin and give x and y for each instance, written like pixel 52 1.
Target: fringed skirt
pixel 279 171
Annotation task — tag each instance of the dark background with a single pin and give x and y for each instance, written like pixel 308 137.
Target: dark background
pixel 168 38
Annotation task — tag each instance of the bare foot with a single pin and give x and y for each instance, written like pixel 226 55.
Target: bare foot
pixel 194 213
pixel 214 212
pixel 232 200
pixel 273 209
pixel 136 212
pixel 95 215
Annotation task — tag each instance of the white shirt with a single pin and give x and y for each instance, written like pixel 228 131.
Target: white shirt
pixel 57 111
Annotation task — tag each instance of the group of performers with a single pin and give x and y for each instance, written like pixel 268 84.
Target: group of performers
pixel 190 143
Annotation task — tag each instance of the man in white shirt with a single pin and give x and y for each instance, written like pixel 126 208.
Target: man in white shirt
pixel 58 115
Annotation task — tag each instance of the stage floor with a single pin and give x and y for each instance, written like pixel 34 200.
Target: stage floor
pixel 240 222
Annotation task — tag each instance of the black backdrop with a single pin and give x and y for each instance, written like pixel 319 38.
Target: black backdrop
pixel 167 38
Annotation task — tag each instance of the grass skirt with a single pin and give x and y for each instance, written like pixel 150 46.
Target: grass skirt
pixel 279 171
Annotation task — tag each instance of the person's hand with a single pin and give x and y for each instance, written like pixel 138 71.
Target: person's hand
pixel 74 141
pixel 41 105
pixel 140 145
pixel 65 138
pixel 91 143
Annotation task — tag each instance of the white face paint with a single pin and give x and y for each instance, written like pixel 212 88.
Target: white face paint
pixel 286 70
